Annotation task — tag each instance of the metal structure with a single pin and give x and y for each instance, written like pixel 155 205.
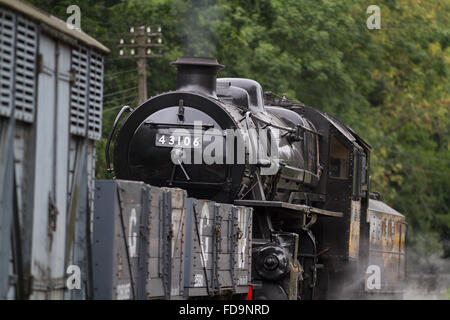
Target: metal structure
pixel 51 83
pixel 155 243
pixel 138 44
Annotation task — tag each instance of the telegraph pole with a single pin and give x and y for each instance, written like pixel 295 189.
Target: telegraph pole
pixel 138 44
pixel 142 66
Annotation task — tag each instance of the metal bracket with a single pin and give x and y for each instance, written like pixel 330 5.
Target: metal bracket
pixel 232 235
pixel 167 241
pixel 215 286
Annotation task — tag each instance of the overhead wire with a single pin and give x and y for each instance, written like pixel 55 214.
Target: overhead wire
pixel 119 92
pixel 119 99
pixel 113 74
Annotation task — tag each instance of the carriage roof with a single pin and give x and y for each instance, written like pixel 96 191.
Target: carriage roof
pixel 381 207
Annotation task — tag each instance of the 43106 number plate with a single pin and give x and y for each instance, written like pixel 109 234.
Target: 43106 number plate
pixel 180 141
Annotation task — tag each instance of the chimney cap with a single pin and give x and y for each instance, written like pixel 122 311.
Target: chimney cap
pixel 197 61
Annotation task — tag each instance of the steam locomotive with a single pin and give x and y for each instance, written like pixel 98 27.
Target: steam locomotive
pixel 304 173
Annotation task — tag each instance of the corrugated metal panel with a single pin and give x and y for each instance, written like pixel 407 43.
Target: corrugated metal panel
pixel 7 40
pixel 25 69
pixel 95 96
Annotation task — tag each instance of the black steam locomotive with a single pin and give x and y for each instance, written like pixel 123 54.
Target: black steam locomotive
pixel 304 173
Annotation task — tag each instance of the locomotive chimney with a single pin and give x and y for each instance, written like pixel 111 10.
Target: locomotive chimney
pixel 197 74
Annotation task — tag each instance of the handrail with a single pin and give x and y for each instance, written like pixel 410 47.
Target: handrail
pixel 116 121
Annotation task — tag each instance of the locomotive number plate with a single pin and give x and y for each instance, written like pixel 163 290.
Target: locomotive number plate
pixel 173 140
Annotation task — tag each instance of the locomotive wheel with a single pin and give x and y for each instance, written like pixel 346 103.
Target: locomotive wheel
pixel 270 291
pixel 307 252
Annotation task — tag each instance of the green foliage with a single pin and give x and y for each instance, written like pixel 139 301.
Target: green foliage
pixel 390 85
pixel 446 294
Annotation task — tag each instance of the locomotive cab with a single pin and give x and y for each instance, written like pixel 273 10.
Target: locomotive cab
pixel 345 188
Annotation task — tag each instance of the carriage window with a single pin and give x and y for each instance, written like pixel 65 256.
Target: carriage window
pixel 338 167
pixel 363 171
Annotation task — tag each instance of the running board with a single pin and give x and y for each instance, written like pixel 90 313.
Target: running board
pixel 289 206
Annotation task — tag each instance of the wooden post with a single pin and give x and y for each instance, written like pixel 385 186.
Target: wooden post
pixel 141 64
pixel 139 45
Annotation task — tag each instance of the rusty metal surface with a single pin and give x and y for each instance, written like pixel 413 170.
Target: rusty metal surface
pixel 119 243
pixel 154 243
pixel 165 247
pixel 355 219
pixel 218 248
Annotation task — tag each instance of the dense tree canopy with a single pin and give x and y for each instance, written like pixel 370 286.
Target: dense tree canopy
pixel 390 85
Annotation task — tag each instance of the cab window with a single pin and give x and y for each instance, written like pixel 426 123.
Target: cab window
pixel 363 169
pixel 339 163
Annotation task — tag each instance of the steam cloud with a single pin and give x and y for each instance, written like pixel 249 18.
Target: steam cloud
pixel 197 36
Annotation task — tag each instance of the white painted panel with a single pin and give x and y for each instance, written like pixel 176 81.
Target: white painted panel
pixel 61 162
pixel 43 165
